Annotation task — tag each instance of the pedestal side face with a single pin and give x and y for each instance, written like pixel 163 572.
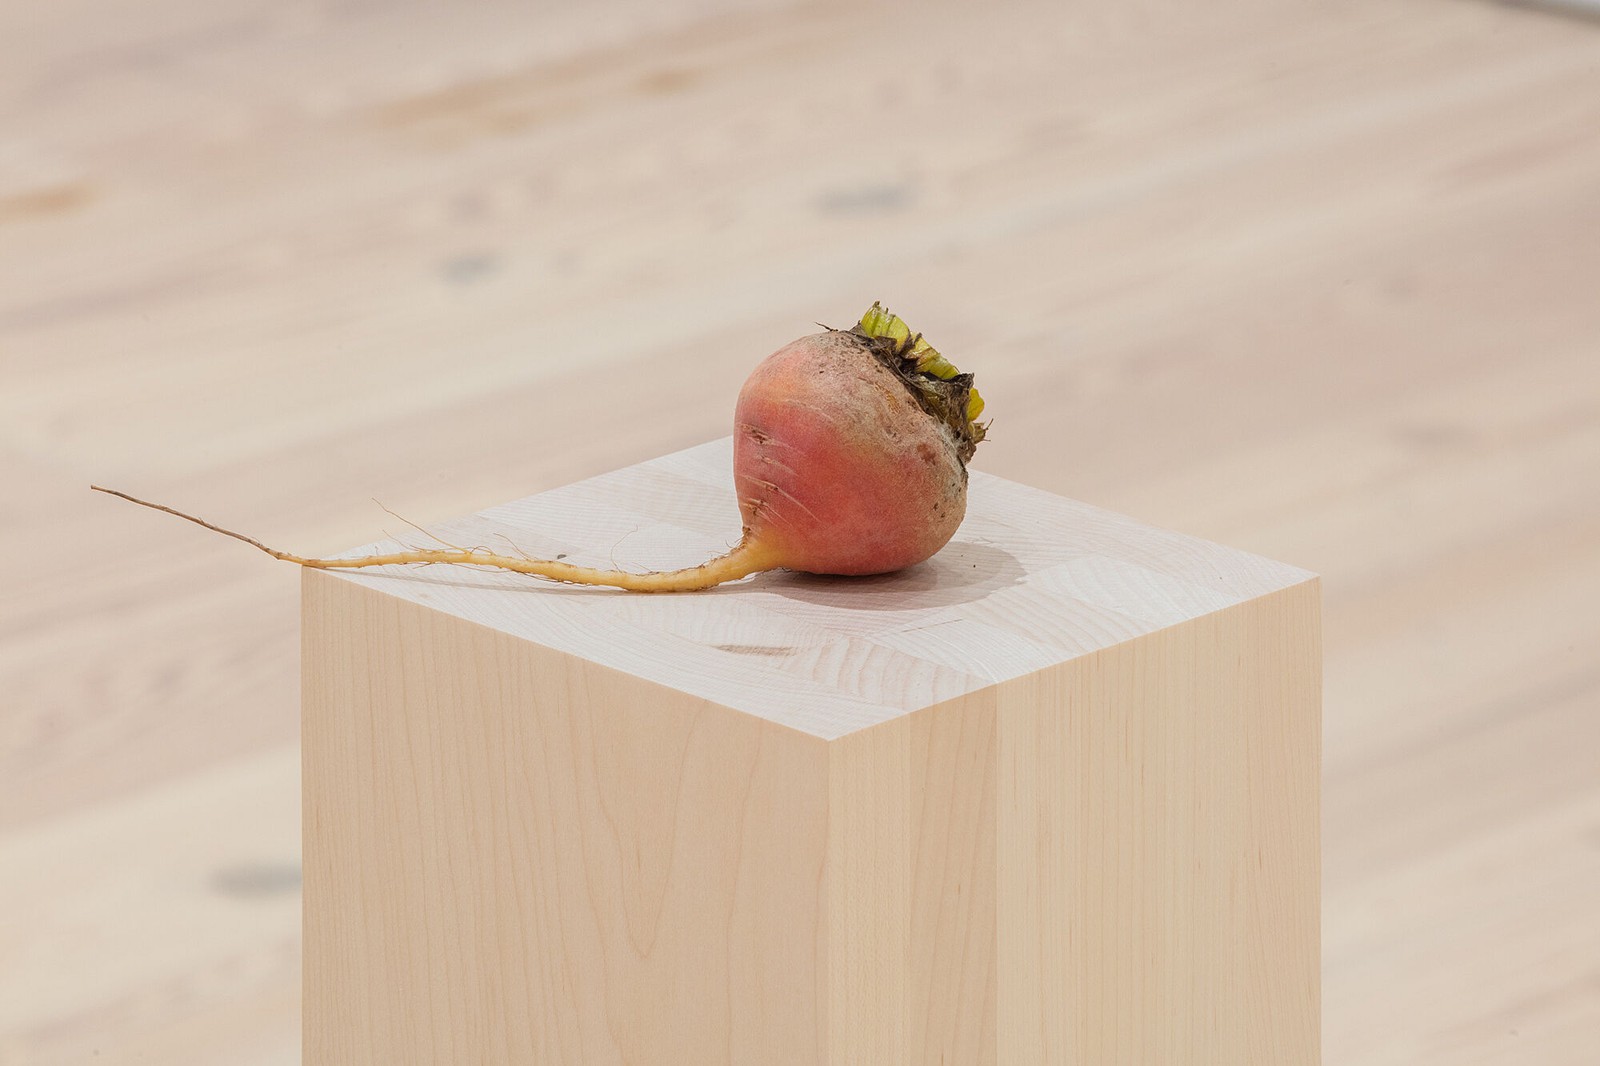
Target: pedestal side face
pixel 514 856
pixel 911 889
pixel 1158 831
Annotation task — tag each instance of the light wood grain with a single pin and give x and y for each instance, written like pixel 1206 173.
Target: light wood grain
pixel 516 856
pixel 1105 852
pixel 1159 846
pixel 1315 280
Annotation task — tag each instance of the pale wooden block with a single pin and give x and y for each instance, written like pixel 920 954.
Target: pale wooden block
pixel 1051 797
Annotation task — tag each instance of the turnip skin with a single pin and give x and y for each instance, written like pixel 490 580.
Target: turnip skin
pixel 839 469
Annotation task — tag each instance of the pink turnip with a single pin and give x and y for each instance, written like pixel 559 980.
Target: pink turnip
pixel 850 457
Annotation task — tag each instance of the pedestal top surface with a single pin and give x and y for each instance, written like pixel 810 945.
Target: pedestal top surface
pixel 1031 579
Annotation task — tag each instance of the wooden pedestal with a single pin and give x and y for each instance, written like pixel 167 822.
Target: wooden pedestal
pixel 1049 798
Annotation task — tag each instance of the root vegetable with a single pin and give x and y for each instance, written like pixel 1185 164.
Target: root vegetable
pixel 850 457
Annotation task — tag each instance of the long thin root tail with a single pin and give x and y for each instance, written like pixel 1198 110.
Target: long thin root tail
pixel 744 559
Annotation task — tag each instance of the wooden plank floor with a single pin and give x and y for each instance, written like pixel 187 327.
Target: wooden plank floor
pixel 1320 281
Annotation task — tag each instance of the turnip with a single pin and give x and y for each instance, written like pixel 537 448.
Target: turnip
pixel 850 457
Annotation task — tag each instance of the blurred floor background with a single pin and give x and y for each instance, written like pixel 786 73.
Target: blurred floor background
pixel 1317 280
